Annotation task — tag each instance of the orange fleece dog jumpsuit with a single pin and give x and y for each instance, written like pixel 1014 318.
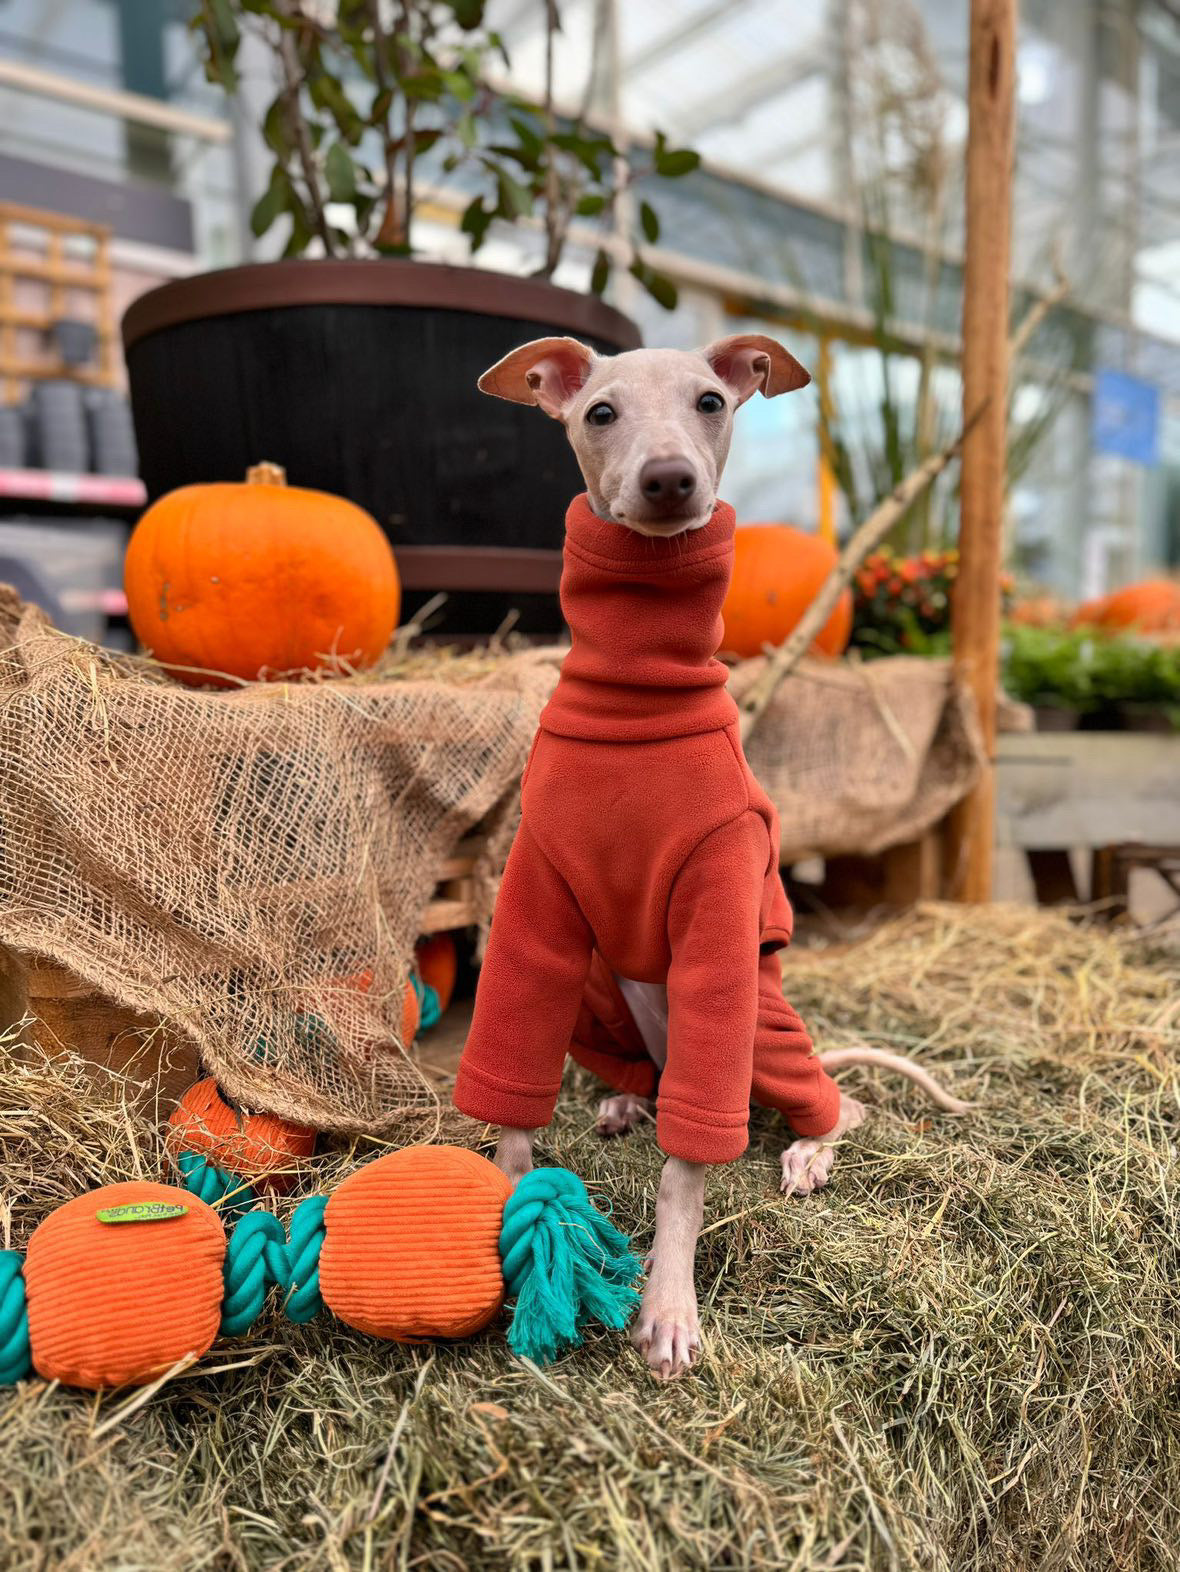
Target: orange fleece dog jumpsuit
pixel 646 849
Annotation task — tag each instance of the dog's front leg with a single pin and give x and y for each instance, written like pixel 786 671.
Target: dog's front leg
pixel 514 1153
pixel 667 1331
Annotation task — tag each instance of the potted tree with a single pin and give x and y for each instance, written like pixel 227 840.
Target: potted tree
pixel 352 363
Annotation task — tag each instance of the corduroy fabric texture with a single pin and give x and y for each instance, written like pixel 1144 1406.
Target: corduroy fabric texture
pixel 117 1304
pixel 257 1146
pixel 411 1247
pixel 644 837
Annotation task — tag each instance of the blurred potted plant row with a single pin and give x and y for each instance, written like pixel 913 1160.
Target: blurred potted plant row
pixel 1114 664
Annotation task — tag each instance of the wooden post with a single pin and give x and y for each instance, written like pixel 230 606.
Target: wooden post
pixel 976 611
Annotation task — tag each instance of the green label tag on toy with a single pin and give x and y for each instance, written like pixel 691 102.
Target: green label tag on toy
pixel 140 1212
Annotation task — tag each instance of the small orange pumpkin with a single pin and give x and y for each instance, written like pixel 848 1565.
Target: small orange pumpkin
pixel 438 965
pixel 117 1299
pixel 777 572
pixel 259 580
pixel 412 1245
pixel 1150 607
pixel 255 1145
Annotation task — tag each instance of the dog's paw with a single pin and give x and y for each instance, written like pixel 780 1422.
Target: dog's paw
pixel 807 1166
pixel 668 1336
pixel 620 1114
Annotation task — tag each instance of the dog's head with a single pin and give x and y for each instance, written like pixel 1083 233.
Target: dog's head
pixel 650 428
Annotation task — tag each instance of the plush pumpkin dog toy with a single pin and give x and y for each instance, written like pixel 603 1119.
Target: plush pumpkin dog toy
pixel 120 1286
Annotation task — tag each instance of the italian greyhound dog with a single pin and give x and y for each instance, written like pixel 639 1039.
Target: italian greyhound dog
pixel 641 911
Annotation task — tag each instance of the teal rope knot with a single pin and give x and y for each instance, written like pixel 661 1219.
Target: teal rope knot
pixel 214 1185
pixel 564 1264
pixel 15 1360
pixel 258 1257
pixel 303 1260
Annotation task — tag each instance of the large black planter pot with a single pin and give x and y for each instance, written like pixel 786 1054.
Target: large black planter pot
pixel 359 378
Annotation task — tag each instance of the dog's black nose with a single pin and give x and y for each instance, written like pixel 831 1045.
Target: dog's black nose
pixel 667 482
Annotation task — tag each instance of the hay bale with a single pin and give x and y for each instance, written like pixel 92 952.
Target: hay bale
pixel 962 1355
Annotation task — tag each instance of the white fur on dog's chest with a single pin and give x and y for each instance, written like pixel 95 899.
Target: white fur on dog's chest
pixel 648 1003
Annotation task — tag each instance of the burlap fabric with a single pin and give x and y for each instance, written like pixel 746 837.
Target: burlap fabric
pixel 860 757
pixel 251 866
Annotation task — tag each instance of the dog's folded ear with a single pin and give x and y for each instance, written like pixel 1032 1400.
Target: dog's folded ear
pixel 547 372
pixel 752 363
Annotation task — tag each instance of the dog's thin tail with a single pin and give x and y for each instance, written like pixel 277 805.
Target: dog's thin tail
pixel 839 1058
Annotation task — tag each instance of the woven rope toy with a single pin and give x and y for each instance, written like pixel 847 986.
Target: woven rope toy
pixel 119 1286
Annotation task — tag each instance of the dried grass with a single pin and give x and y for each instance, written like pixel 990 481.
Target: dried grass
pixel 962 1355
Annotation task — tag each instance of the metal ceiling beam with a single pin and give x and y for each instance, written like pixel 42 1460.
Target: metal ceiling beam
pixel 730 104
pixel 683 34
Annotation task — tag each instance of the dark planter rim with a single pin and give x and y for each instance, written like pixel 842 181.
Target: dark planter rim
pixel 267 286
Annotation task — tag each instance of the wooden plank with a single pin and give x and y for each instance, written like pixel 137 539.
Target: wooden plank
pixel 73 275
pixel 43 218
pixel 1053 876
pixel 976 612
pixel 1088 789
pixel 442 915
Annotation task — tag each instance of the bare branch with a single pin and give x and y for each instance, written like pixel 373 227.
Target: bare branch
pixel 293 86
pixel 872 532
pixel 867 538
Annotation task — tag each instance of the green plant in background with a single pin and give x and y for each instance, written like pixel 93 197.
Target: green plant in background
pixel 368 89
pixel 1094 674
pixel 1050 667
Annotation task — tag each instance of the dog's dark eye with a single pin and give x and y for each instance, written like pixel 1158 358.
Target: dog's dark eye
pixel 710 403
pixel 600 414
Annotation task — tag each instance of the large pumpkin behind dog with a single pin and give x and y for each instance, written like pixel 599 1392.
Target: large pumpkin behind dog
pixel 260 579
pixel 777 573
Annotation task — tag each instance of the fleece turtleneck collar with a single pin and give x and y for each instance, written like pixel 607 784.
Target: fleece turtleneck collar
pixel 645 615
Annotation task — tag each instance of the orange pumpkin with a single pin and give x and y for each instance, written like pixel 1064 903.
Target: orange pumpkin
pixel 117 1298
pixel 1150 607
pixel 259 580
pixel 255 1145
pixel 438 965
pixel 412 1245
pixel 777 573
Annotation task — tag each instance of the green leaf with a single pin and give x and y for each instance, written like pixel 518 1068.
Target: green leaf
pixel 530 137
pixel 476 222
pixel 672 163
pixel 649 222
pixel 340 173
pixel 301 233
pixel 662 290
pixel 327 92
pixel 590 206
pixel 600 273
pixel 220 27
pixel 273 201
pixel 468 13
pixel 423 85
pixel 588 150
pixel 515 199
pixel 274 127
pixel 460 85
pixel 424 141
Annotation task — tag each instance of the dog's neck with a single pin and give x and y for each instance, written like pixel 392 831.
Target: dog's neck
pixel 645 615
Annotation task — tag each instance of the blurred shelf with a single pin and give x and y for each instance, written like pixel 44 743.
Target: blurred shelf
pixel 44 485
